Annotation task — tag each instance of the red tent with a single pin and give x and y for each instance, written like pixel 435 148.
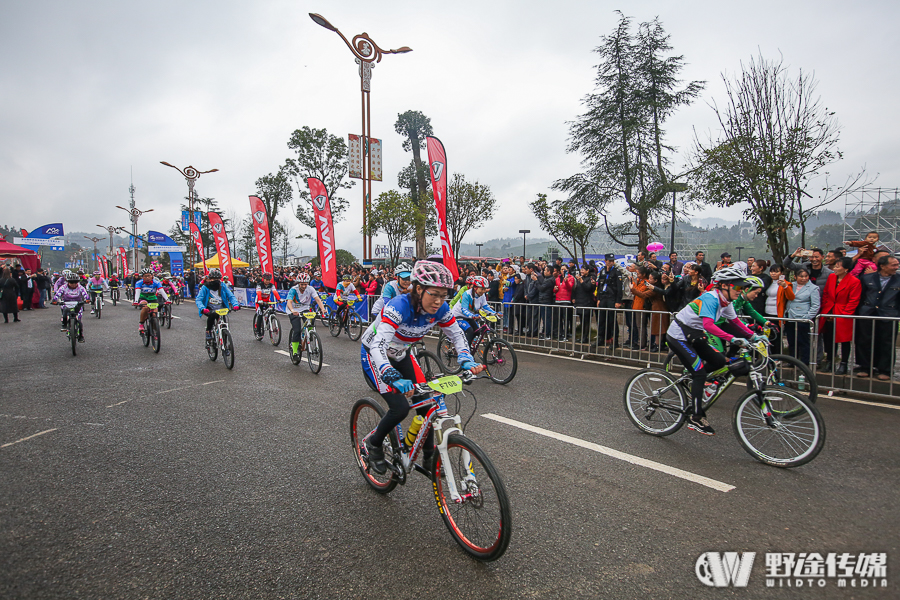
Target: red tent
pixel 28 258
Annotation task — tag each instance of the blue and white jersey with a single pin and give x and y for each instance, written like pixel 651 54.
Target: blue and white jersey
pixel 390 291
pixel 468 306
pixel 400 326
pixel 150 292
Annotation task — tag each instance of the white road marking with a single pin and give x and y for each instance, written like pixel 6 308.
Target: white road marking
pixel 635 460
pixel 581 360
pixel 894 406
pixel 167 391
pixel 28 438
pixel 288 354
pixel 175 317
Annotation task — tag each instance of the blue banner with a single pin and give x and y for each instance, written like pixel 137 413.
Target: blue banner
pixel 176 259
pixel 45 232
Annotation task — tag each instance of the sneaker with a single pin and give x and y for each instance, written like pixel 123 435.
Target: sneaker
pixel 61 327
pixel 376 458
pixel 81 339
pixel 209 336
pixel 141 328
pixel 824 366
pixel 701 425
pixel 841 370
pixel 92 311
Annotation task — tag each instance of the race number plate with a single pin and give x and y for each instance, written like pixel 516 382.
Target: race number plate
pixel 222 311
pixel 450 384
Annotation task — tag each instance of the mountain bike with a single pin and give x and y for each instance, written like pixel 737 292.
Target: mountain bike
pixel 165 315
pixel 469 492
pixel 325 317
pixel 96 302
pixel 310 343
pixel 74 327
pixel 267 322
pixel 783 370
pixel 221 339
pixel 497 354
pixel 178 296
pixel 774 425
pixel 114 295
pixel 151 333
pixel 347 320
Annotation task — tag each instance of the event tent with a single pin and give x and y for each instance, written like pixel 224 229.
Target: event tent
pixel 213 263
pixel 28 258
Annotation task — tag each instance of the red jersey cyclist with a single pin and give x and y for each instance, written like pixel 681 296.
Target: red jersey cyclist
pixel 266 293
pixel 344 289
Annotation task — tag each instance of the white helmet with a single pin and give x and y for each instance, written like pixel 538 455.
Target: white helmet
pixel 728 275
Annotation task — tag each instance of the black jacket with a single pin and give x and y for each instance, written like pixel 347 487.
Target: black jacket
pixel 493 294
pixel 671 296
pixel 583 293
pixel 876 301
pixel 609 285
pixel 545 290
pixel 759 304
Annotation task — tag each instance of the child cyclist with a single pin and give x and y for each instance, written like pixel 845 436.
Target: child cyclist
pixel 146 290
pixel 96 286
pixel 72 291
pixel 385 356
pixel 266 294
pixel 394 288
pixel 687 336
pixel 470 304
pixel 212 296
pixel 344 289
pixel 299 299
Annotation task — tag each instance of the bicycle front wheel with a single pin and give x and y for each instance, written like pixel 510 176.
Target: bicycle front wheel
pixel 73 335
pixel 446 356
pixel 334 324
pixel 364 418
pixel 258 328
pixel 145 336
pixel 212 348
pixel 500 361
pixel 354 325
pixel 654 403
pixel 274 331
pixel 791 434
pixel 155 340
pixel 314 352
pixel 227 349
pixel 168 317
pixel 481 520
pixel 99 303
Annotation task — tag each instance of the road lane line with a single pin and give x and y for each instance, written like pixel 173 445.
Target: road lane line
pixel 581 360
pixel 28 438
pixel 288 354
pixel 635 460
pixel 894 406
pixel 166 392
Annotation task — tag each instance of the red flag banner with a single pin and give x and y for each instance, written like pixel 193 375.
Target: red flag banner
pixel 325 231
pixel 198 241
pixel 263 239
pixel 102 265
pixel 222 249
pixel 123 257
pixel 437 162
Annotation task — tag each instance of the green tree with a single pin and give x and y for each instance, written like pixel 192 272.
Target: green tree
pixel 320 155
pixel 396 216
pixel 569 222
pixel 183 238
pixel 414 126
pixel 341 257
pixel 621 137
pixel 469 206
pixel 776 139
pixel 275 191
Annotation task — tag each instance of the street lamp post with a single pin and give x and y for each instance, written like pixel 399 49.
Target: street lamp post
pixel 135 215
pixel 367 53
pixel 524 232
pixel 95 240
pixel 479 249
pixel 739 248
pixel 110 229
pixel 191 175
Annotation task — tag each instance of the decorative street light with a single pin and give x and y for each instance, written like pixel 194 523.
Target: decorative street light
pixel 95 240
pixel 110 229
pixel 524 232
pixel 366 52
pixel 191 175
pixel 739 248
pixel 135 215
pixel 479 249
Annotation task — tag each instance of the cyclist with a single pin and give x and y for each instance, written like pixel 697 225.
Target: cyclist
pixel 473 300
pixel 266 294
pixel 743 306
pixel 344 288
pixel 686 336
pixel 316 281
pixel 213 295
pixel 147 290
pixel 96 285
pixel 73 291
pixel 168 285
pixel 61 281
pixel 461 291
pixel 113 282
pixel 299 299
pixel 385 356
pixel 394 288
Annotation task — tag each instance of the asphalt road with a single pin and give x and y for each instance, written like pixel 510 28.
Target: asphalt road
pixel 129 474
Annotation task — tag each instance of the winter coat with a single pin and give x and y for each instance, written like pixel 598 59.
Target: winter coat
pixel 841 299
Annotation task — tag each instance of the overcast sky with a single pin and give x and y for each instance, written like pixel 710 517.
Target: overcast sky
pixel 91 91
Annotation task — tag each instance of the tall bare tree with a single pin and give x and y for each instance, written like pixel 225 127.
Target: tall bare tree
pixel 414 126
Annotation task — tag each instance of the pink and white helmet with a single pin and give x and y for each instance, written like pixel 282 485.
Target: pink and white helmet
pixel 432 274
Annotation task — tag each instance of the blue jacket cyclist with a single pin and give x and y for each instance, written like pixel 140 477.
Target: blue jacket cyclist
pixel 212 296
pixel 385 356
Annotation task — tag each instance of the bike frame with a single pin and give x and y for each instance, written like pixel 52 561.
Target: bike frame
pixel 221 324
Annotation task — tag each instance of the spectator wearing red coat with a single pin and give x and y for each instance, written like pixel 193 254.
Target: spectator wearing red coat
pixel 562 291
pixel 840 297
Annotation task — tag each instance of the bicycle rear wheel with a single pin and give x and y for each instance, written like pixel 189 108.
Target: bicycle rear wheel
pixel 792 434
pixel 785 372
pixel 155 336
pixel 500 361
pixel 429 363
pixel 145 336
pixel 73 334
pixel 446 356
pixel 274 331
pixel 481 523
pixel 168 316
pixel 364 417
pixel 258 327
pixel 227 349
pixel 212 348
pixel 652 412
pixel 354 325
pixel 314 352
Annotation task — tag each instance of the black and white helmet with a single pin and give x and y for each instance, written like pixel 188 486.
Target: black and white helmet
pixel 214 274
pixel 72 276
pixel 146 271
